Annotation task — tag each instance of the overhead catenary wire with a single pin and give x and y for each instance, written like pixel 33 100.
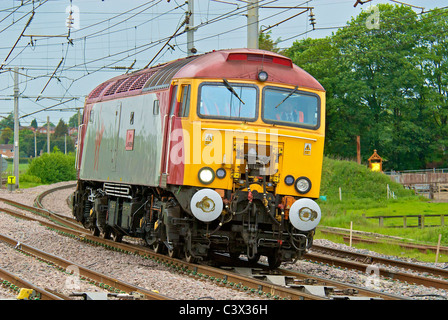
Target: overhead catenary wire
pixel 91 66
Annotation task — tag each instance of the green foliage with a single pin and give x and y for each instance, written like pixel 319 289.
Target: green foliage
pixel 29 178
pixel 61 129
pixel 265 42
pixel 54 167
pixel 73 121
pixel 386 85
pixel 8 122
pixel 364 194
pixel 34 124
pixel 7 136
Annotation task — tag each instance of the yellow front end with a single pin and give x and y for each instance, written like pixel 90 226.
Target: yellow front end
pixel 255 149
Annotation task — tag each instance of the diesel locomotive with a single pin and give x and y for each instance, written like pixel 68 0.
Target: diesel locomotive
pixel 218 152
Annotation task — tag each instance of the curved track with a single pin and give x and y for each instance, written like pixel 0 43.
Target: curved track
pixel 277 284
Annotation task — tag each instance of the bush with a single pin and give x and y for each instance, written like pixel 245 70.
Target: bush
pixel 54 167
pixel 30 178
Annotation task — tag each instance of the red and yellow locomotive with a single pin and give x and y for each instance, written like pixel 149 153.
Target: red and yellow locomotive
pixel 220 152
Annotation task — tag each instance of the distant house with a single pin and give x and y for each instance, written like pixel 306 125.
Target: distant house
pixel 73 131
pixel 43 130
pixel 7 150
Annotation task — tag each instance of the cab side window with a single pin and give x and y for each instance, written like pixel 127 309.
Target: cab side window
pixel 173 101
pixel 184 108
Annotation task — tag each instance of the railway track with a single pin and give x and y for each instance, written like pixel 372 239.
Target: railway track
pixel 112 285
pixel 25 290
pixel 374 238
pixel 200 272
pixel 278 284
pixel 361 262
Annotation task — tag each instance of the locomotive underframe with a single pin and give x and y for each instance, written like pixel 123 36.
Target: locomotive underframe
pixel 250 225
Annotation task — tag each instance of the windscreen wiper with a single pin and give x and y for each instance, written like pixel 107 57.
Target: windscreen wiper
pixel 290 94
pixel 230 88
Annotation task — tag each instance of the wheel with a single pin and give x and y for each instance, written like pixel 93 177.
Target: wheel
pixel 95 231
pixel 274 260
pixel 254 259
pixel 105 234
pixel 159 247
pixel 116 236
pixel 189 257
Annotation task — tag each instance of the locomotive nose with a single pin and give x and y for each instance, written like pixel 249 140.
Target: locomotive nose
pixel 305 214
pixel 206 205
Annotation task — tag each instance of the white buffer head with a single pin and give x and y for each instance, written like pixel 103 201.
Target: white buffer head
pixel 206 205
pixel 305 214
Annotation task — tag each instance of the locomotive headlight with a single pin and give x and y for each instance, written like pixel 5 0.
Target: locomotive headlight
pixel 303 185
pixel 206 175
pixel 221 173
pixel 289 180
pixel 262 76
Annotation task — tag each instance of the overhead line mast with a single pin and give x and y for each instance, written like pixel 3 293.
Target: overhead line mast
pixel 191 50
pixel 252 24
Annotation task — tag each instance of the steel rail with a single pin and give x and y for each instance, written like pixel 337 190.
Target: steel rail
pixel 179 264
pixel 202 272
pixel 41 196
pixel 345 289
pixel 370 259
pixel 383 272
pixel 84 273
pixel 250 283
pixel 57 218
pixel 19 283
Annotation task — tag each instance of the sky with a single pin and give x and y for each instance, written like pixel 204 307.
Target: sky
pixel 57 69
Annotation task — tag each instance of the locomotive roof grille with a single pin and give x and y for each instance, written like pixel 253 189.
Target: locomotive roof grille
pixel 162 78
pixel 111 90
pixel 140 82
pixel 127 84
pixel 208 65
pixel 96 93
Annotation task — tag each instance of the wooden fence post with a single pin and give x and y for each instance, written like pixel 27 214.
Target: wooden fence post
pixel 351 232
pixel 438 248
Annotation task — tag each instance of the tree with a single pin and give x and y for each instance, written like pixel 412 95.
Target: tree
pixel 73 121
pixel 61 129
pixel 265 42
pixel 380 79
pixel 388 85
pixel 7 122
pixel 6 136
pixel 26 142
pixel 433 65
pixel 54 167
pixel 34 124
